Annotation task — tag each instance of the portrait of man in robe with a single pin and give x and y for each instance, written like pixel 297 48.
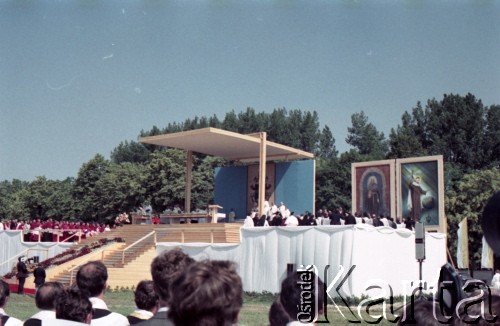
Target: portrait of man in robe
pixel 420 192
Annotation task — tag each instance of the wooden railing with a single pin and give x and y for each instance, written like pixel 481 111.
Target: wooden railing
pixel 132 245
pixel 14 257
pixel 152 233
pixel 73 270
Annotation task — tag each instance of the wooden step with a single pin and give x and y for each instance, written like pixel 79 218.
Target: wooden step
pixel 138 259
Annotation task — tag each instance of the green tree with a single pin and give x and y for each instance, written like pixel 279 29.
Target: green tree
pixel 231 122
pixel 456 127
pixel 326 145
pixel 468 201
pixel 309 132
pixel 122 189
pixel 364 137
pixel 278 129
pixel 85 192
pixel 492 137
pixel 248 122
pixel 202 185
pixel 8 191
pixel 333 180
pixel 409 139
pixel 133 152
pixel 165 179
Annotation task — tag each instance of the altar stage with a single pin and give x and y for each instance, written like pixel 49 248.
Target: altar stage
pixel 380 255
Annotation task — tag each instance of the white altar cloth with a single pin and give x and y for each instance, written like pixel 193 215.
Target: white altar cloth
pixel 380 253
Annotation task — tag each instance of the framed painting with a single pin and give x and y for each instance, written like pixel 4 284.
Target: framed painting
pixel 373 188
pixel 420 189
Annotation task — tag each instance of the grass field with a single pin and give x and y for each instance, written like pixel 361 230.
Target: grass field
pixel 254 312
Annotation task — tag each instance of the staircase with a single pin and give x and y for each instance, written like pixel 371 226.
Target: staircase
pixel 127 268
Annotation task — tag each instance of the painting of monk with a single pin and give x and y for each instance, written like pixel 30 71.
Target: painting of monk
pixel 421 191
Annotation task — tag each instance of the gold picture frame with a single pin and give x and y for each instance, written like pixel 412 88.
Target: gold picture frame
pixel 373 188
pixel 420 191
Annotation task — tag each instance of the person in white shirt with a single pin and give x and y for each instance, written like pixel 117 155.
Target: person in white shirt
pixel 146 301
pixel 248 223
pixel 164 269
pixel 495 281
pixel 92 278
pixel 4 297
pixel 274 209
pixel 282 209
pixel 291 220
pixel 45 299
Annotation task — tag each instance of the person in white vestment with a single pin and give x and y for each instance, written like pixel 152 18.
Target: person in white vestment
pixel 45 300
pixel 291 220
pixel 72 308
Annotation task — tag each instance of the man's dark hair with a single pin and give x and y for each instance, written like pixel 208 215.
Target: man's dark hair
pixel 92 278
pixel 145 296
pixel 47 294
pixel 277 314
pixel 165 267
pixel 73 305
pixel 4 292
pixel 491 304
pixel 423 314
pixel 290 295
pixel 209 293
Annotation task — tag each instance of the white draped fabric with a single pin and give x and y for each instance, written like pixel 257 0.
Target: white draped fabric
pixel 486 255
pixel 379 253
pixel 463 245
pixel 12 245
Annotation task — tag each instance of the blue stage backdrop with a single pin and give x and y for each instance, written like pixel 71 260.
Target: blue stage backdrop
pixel 294 185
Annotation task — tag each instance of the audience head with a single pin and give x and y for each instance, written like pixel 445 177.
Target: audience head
pixel 145 296
pixel 92 278
pixel 74 305
pixel 209 293
pixel 423 314
pixel 4 293
pixel 292 292
pixel 277 314
pixel 486 309
pixel 47 295
pixel 165 267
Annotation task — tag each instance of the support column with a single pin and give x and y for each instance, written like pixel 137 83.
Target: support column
pixel 262 171
pixel 187 189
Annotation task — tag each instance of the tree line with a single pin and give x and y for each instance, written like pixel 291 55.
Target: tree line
pixel 461 128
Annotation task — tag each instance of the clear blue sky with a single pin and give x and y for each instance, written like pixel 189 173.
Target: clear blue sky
pixel 79 77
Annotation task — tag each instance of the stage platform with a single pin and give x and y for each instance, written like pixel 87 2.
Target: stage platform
pixel 381 254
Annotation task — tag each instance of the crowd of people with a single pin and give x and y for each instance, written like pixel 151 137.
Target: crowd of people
pixel 182 292
pixel 281 215
pixel 203 293
pixel 52 230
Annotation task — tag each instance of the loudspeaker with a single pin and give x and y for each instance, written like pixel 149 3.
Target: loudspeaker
pixel 450 289
pixel 491 223
pixel 419 241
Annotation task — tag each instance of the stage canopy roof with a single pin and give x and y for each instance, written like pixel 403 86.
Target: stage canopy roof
pixel 226 144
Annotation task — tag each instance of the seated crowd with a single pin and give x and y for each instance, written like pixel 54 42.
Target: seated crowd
pixel 282 216
pixel 52 230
